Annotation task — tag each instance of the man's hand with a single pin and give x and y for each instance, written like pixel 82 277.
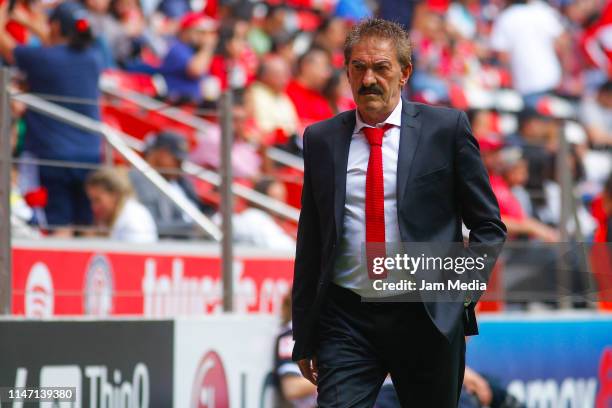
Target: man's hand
pixel 309 369
pixel 478 386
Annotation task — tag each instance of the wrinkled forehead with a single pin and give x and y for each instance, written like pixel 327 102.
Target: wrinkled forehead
pixel 374 49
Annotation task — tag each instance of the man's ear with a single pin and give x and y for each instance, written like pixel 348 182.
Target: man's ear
pixel 406 72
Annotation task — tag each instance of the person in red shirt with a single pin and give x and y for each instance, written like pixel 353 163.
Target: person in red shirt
pixel 306 90
pixel 511 210
pixel 27 18
pixel 234 63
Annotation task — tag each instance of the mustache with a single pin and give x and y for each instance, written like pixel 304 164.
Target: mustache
pixel 372 89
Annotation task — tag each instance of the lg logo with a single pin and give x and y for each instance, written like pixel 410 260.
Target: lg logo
pixel 210 383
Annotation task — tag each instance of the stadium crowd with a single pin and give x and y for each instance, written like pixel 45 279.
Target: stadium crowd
pixel 502 61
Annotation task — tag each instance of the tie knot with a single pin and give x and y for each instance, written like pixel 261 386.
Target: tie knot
pixel 375 135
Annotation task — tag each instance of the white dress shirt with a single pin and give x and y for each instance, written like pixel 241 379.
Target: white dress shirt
pixel 349 271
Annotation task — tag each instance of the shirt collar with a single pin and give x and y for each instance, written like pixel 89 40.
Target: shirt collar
pixel 395 119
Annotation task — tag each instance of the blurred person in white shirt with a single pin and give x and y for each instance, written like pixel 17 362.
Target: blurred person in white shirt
pixel 254 226
pixel 596 115
pixel 115 208
pixel 527 35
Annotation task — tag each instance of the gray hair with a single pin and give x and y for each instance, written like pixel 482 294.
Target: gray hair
pixel 384 29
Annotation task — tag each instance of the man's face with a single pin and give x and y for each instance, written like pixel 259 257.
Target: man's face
pixel 162 159
pixel 375 75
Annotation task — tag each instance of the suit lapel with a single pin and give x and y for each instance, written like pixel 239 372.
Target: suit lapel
pixel 342 143
pixel 410 134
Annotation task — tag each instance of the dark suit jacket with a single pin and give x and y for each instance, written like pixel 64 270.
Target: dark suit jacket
pixel 441 181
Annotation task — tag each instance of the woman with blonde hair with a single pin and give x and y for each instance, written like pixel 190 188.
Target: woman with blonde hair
pixel 115 208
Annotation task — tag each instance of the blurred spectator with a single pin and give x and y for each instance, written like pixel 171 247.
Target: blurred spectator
pixel 234 63
pixel 527 34
pixel 433 57
pixel 461 19
pixel 536 136
pixel 482 122
pixel 256 227
pixel 28 22
pixel 294 388
pixel 189 57
pixel 68 67
pixel 330 36
pixel 481 391
pixel 246 162
pixel 111 36
pixel 21 213
pixel 272 108
pixel 270 27
pixel 551 212
pixel 166 152
pixel 313 72
pixel 129 14
pixel 596 115
pixel 515 170
pixel 512 212
pixel 284 46
pixel 338 92
pixel 115 210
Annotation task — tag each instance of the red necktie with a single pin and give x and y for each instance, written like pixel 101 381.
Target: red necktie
pixel 375 198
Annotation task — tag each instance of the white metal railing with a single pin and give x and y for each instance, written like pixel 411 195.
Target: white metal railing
pixel 277 207
pixel 119 141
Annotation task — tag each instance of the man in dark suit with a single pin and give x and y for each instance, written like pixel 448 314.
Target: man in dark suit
pixel 391 171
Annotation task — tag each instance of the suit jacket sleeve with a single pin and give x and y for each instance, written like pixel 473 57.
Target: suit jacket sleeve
pixel 479 207
pixel 307 262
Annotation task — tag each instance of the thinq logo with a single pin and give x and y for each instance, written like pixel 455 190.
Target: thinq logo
pixel 107 388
